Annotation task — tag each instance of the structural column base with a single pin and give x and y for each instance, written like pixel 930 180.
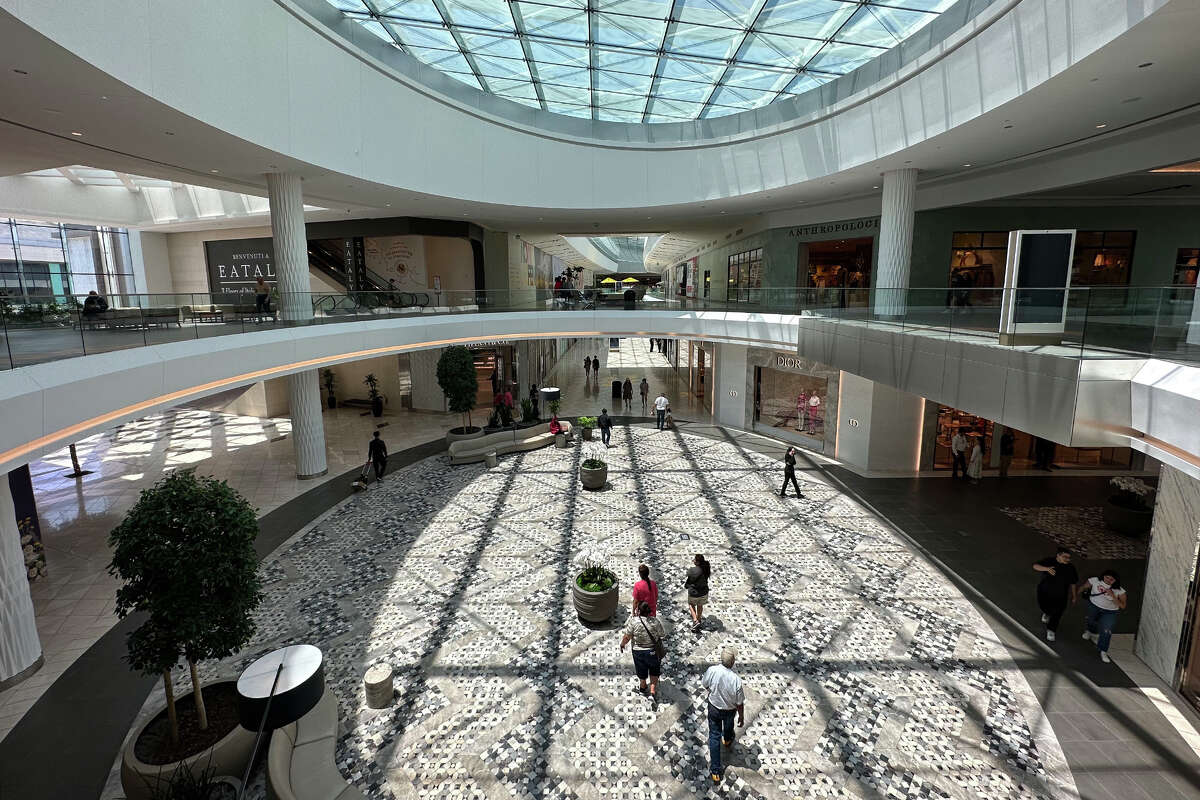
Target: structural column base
pixel 28 672
pixel 314 475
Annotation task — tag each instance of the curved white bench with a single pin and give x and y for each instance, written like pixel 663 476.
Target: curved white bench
pixel 300 763
pixel 468 451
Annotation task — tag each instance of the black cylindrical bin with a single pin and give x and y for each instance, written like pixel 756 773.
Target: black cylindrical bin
pixel 300 686
pixel 616 390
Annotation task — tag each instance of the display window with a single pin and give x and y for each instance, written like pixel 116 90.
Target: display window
pixel 838 264
pixel 1102 258
pixel 745 276
pixel 791 400
pixel 1187 262
pixel 951 421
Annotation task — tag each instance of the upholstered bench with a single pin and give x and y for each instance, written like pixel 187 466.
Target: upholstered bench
pixel 469 451
pixel 300 763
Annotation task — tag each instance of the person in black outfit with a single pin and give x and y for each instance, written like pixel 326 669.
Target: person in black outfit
pixel 377 452
pixel 789 473
pixel 1056 588
pixel 604 423
pixel 697 589
pixel 94 304
pixel 534 394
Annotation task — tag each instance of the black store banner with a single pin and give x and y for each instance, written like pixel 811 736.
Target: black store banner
pixel 234 265
pixel 355 259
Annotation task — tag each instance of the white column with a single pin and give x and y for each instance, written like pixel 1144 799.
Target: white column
pixel 291 245
pixel 895 242
pixel 308 430
pixel 20 649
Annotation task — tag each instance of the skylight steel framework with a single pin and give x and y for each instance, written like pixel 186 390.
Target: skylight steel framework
pixel 644 60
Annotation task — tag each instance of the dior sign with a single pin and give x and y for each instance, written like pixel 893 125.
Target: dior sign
pixel 790 362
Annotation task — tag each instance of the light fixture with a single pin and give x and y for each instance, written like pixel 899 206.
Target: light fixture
pixel 1100 125
pixel 214 171
pixel 1190 167
pixel 966 165
pixel 77 133
pixel 389 205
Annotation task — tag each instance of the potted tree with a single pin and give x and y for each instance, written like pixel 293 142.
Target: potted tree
pixel 1130 507
pixel 185 556
pixel 330 380
pixel 593 472
pixel 458 381
pixel 594 591
pixel 587 424
pixel 372 384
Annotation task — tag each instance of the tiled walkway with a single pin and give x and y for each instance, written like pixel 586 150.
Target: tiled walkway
pixel 868 674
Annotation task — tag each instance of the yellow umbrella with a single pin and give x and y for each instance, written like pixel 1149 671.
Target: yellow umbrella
pixel 630 280
pixel 609 280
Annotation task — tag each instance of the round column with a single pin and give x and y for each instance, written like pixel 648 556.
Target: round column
pixel 291 246
pixel 20 648
pixel 895 242
pixel 308 430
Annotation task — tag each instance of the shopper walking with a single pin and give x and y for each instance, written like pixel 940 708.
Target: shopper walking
pixel 1056 589
pixel 1106 598
pixel 627 394
pixel 697 589
pixel 661 404
pixel 604 423
pixel 377 453
pixel 1007 445
pixel 644 391
pixel 725 696
pixel 646 633
pixel 596 367
pixel 975 465
pixel 587 367
pixel 958 452
pixel 645 591
pixel 789 473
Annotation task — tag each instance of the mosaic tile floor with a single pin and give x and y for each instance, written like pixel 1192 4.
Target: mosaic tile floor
pixel 1080 528
pixel 868 675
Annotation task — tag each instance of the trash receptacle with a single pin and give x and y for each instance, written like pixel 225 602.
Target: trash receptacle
pixel 630 298
pixel 616 390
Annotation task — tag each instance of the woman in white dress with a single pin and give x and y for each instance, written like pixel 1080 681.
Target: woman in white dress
pixel 975 464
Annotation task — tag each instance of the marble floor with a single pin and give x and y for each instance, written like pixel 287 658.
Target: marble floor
pixel 74 602
pixel 868 674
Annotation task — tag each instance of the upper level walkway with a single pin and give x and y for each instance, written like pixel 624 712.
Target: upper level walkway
pixel 72 374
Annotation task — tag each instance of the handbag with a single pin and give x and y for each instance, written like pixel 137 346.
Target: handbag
pixel 660 649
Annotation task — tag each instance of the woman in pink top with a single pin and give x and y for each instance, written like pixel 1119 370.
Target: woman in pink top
pixel 645 591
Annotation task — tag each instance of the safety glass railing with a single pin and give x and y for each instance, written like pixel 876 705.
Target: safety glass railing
pixel 1087 322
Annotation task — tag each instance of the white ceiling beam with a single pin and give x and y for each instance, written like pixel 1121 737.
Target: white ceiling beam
pixel 70 175
pixel 128 183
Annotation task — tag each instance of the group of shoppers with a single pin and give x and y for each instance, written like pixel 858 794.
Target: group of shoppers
pixel 1060 587
pixel 591 365
pixel 726 696
pixel 971 465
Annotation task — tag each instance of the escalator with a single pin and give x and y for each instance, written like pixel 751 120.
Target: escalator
pixel 340 261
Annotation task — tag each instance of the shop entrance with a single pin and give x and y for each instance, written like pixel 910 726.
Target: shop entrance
pixel 494 369
pixel 792 405
pixel 837 264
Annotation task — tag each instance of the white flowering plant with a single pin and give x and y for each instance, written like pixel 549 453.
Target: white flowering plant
pixel 594 456
pixel 1131 493
pixel 594 576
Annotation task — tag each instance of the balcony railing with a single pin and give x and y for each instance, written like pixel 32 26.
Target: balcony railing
pixel 1096 322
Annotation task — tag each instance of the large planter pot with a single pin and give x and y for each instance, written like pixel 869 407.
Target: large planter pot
pixel 594 478
pixel 459 435
pixel 228 756
pixel 1127 521
pixel 377 407
pixel 587 434
pixel 332 401
pixel 595 606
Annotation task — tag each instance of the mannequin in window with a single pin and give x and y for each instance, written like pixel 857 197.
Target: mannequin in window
pixel 814 413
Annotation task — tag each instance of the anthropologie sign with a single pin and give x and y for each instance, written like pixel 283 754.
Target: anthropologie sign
pixel 851 226
pixel 235 265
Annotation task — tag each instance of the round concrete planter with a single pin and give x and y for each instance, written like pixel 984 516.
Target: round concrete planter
pixel 595 606
pixel 227 757
pixel 473 433
pixel 594 478
pixel 1128 522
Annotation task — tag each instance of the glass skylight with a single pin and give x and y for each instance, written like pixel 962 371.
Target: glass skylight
pixel 644 60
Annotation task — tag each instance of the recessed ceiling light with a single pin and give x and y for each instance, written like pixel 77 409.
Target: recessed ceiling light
pixel 1131 99
pixel 1145 64
pixel 103 97
pixel 389 205
pixel 1100 125
pixel 77 133
pixel 874 187
pixel 966 165
pixel 51 110
pixel 214 170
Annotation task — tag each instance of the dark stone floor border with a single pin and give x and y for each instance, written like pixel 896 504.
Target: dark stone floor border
pixel 65 745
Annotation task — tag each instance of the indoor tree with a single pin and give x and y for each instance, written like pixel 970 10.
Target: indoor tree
pixel 456 376
pixel 185 556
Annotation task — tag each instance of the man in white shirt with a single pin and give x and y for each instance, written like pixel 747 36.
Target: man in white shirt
pixel 660 408
pixel 725 696
pixel 958 451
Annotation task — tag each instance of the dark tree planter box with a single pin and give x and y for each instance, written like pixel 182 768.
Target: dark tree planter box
pixel 1128 522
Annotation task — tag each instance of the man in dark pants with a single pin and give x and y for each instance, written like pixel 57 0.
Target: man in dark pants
pixel 1055 590
pixel 604 423
pixel 377 452
pixel 789 473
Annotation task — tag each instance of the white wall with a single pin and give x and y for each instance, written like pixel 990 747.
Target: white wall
pixel 452 260
pixel 878 427
pixel 730 409
pixel 151 262
pixel 262 399
pixel 1169 571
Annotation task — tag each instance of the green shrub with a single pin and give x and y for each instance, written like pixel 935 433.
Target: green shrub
pixel 586 422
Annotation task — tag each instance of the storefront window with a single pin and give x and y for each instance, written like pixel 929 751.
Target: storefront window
pixel 745 276
pixel 1102 258
pixel 951 421
pixel 791 401
pixel 1187 261
pixel 842 265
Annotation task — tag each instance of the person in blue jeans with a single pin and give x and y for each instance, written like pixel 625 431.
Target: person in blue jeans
pixel 604 423
pixel 1106 598
pixel 725 696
